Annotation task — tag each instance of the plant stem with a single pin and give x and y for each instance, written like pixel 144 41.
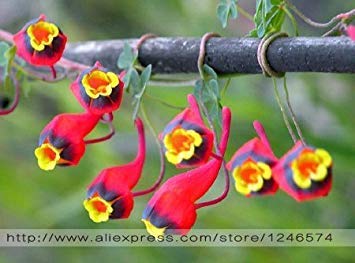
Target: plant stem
pixel 6 36
pixel 293 21
pixel 163 102
pixel 309 21
pixel 225 87
pixel 287 123
pixel 245 13
pixel 161 153
pixel 292 113
pixel 104 138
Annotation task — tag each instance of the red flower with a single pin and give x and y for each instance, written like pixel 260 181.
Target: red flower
pixel 98 90
pixel 187 141
pixel 304 172
pixel 172 209
pixel 61 141
pixel 40 43
pixel 109 195
pixel 251 166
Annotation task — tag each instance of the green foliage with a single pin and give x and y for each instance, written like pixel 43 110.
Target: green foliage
pixel 139 85
pixel 3 49
pixel 207 91
pixel 269 17
pixel 225 10
pixel 134 83
pixel 7 55
pixel 127 61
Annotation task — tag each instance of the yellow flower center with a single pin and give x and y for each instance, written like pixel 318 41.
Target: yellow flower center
pixel 250 176
pixel 98 208
pixel 153 230
pixel 180 144
pixel 310 166
pixel 42 34
pixel 47 156
pixel 98 83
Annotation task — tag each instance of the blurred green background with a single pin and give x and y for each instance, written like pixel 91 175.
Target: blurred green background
pixel 31 198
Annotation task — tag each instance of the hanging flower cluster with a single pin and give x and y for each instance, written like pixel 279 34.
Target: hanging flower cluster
pixel 172 209
pixel 304 172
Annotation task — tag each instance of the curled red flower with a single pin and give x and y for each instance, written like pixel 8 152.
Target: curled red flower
pixel 304 172
pixel 251 166
pixel 40 42
pixel 62 141
pixel 172 209
pixel 109 196
pixel 187 141
pixel 98 90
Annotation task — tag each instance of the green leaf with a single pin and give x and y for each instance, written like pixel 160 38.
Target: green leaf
pixel 210 71
pixel 226 10
pixel 3 49
pixel 208 93
pixel 145 76
pixel 139 84
pixel 127 57
pixel 233 10
pixel 7 82
pixel 135 81
pixel 222 13
pixel 10 56
pixel 269 17
pixel 214 89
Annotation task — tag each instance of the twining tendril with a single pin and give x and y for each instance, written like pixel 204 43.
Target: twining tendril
pixel 262 54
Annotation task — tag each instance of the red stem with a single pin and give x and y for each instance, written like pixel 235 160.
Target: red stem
pixel 141 151
pixel 15 101
pixel 6 36
pixel 54 72
pixel 141 142
pixel 104 138
pixel 158 181
pixel 71 65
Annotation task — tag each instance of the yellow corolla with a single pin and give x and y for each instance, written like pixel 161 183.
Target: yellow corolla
pixel 99 83
pixel 42 34
pixel 180 144
pixel 98 208
pixel 310 166
pixel 249 177
pixel 47 156
pixel 153 230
